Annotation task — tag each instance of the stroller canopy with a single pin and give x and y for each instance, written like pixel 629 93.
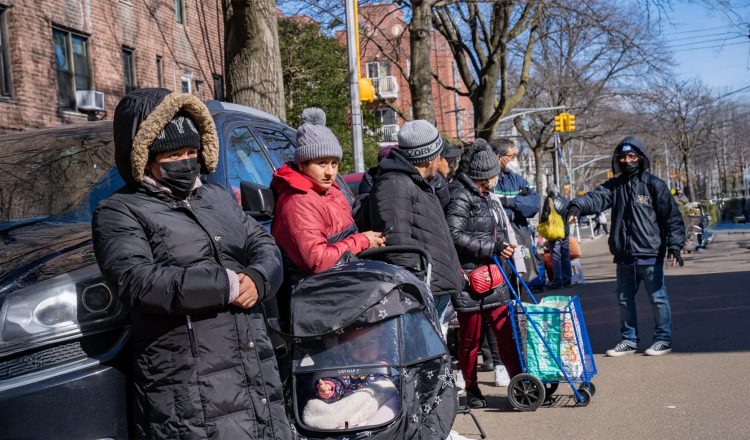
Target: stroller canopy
pixel 356 293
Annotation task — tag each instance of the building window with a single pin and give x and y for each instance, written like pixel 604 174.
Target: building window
pixel 186 83
pixel 5 84
pixel 72 65
pixel 388 125
pixel 159 72
pixel 218 88
pixel 179 11
pixel 378 69
pixel 128 64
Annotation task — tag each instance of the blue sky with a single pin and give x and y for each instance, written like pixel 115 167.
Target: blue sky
pixel 692 26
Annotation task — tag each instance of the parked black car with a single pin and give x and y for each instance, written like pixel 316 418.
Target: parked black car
pixel 63 372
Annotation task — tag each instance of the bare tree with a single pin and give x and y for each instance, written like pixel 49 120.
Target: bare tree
pixel 252 59
pixel 590 55
pixel 682 110
pixel 481 37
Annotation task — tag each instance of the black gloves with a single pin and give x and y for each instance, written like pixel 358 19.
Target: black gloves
pixel 573 211
pixel 675 253
pixel 524 191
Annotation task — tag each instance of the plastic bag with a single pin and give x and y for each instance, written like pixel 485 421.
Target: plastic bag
pixel 554 227
pixel 570 335
pixel 539 360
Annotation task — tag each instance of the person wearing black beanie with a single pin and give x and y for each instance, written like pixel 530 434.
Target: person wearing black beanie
pixel 192 268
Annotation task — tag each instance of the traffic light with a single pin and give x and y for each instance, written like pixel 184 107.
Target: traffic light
pixel 366 90
pixel 560 122
pixel 571 119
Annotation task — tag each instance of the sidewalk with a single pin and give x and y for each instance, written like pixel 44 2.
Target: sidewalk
pixel 698 392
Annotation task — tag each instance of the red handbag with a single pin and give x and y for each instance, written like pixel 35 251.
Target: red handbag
pixel 485 279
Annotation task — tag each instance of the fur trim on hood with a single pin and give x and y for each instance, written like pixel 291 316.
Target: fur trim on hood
pixel 140 117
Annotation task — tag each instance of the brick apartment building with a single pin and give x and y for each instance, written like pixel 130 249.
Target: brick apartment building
pixel 52 49
pixel 385 57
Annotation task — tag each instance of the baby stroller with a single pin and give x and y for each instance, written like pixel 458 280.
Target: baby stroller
pixel 367 356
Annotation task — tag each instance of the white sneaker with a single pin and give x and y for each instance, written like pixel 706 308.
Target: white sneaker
pixel 501 376
pixel 658 348
pixel 456 436
pixel 460 383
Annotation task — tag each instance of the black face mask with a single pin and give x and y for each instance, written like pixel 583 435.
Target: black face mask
pixel 628 168
pixel 179 176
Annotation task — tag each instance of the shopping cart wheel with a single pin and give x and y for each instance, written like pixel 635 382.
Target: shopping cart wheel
pixel 585 396
pixel 526 392
pixel 589 386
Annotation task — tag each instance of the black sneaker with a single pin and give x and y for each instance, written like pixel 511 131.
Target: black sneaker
pixel 621 349
pixel 658 348
pixel 474 397
pixel 486 366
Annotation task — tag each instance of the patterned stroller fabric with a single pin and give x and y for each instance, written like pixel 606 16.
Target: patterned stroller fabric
pixel 368 360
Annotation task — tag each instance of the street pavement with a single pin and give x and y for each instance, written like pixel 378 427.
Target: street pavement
pixel 699 391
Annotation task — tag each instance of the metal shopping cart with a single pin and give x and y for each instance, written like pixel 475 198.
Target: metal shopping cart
pixel 553 347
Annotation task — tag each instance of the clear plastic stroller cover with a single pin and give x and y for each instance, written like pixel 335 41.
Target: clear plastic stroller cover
pixel 349 380
pixel 352 380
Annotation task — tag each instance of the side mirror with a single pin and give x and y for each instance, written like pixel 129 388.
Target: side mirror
pixel 257 200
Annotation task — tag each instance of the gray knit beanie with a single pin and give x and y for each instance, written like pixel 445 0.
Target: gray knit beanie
pixel 314 139
pixel 482 163
pixel 419 141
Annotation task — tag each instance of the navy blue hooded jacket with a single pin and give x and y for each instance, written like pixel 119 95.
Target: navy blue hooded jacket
pixel 645 218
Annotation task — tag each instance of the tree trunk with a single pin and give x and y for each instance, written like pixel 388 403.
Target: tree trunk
pixel 253 63
pixel 420 78
pixel 688 177
pixel 538 168
pixel 484 107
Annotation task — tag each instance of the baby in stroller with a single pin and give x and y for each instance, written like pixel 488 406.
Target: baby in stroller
pixel 355 398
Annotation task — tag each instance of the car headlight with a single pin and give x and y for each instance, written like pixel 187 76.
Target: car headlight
pixel 56 308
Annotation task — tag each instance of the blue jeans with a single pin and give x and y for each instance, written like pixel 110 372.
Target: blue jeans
pixel 629 277
pixel 561 261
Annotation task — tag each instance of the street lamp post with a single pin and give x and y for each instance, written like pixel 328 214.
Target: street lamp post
pixel 353 52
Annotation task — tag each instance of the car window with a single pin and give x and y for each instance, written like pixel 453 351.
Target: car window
pixel 49 173
pixel 279 145
pixel 246 160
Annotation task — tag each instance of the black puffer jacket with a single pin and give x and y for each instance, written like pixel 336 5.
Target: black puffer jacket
pixel 478 236
pixel 405 204
pixel 201 368
pixel 645 218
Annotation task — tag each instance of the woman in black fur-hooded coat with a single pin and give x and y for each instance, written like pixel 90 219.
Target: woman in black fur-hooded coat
pixel 193 268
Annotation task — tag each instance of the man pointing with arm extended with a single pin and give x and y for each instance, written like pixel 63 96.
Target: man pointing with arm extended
pixel 646 225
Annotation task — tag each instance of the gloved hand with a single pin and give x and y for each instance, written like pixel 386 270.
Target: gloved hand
pixel 508 202
pixel 573 213
pixel 524 191
pixel 676 257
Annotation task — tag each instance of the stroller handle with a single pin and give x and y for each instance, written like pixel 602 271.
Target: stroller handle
pixel 425 260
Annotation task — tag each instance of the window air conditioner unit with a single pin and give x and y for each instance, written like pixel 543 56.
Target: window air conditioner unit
pixel 90 101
